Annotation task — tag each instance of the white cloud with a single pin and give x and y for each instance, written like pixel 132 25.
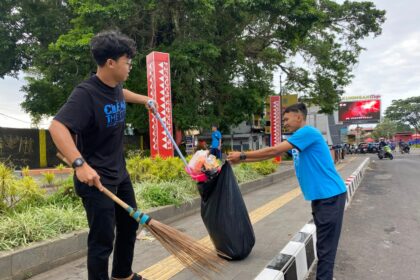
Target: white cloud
pixel 390 66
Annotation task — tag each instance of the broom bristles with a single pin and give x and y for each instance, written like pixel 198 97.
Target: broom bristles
pixel 197 257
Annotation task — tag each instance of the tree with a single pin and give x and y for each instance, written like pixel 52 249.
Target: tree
pixel 26 30
pixel 406 111
pixel 223 53
pixel 387 128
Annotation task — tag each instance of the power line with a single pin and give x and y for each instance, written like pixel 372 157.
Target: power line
pixel 10 117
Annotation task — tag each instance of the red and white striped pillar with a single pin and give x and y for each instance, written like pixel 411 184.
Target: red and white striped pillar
pixel 159 88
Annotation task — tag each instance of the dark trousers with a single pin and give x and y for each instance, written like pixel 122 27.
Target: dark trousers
pixel 109 221
pixel 328 218
pixel 216 152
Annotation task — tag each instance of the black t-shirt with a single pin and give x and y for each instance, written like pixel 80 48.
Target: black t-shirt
pixel 95 112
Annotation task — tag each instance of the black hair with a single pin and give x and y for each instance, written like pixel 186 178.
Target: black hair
pixel 111 45
pixel 297 108
pixel 214 125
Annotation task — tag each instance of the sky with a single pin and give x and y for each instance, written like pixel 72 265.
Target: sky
pixel 390 65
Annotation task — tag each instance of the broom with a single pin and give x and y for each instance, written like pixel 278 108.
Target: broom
pixel 191 254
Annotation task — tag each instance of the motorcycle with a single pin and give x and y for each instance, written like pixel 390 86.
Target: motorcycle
pixel 385 152
pixel 405 149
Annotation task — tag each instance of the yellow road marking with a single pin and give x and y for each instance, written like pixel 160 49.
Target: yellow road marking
pixel 169 266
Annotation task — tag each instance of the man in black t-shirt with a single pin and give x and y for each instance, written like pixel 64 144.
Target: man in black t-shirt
pixel 95 115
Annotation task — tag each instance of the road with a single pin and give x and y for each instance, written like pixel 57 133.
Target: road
pixel 380 235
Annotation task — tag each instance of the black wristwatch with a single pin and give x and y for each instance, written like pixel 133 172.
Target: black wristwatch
pixel 242 156
pixel 78 162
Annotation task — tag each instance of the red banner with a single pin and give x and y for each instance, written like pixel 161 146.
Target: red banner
pixel 159 88
pixel 275 120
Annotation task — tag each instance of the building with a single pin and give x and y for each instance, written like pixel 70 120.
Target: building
pixel 406 136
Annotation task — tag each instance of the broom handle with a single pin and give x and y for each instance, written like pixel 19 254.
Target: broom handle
pixel 138 215
pixel 156 114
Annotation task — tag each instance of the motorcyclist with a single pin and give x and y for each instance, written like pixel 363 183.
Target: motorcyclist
pixel 384 149
pixel 382 143
pixel 404 147
pixel 400 143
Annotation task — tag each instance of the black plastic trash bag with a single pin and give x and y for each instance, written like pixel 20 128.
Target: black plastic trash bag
pixel 225 215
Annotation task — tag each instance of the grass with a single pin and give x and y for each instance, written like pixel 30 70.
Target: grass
pixel 39 223
pixel 149 194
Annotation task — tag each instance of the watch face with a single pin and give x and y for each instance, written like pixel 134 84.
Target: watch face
pixel 78 162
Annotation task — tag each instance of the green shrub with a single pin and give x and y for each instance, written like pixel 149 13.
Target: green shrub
pixel 150 194
pixel 60 167
pixel 17 192
pixel 65 193
pixel 39 223
pixel 26 192
pixel 264 167
pixel 245 173
pixel 25 171
pixel 155 169
pixel 49 178
pixel 6 185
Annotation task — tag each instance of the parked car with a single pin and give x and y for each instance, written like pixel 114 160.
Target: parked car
pixel 373 148
pixel 362 148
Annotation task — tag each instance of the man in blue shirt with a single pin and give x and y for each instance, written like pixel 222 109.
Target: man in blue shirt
pixel 216 142
pixel 318 179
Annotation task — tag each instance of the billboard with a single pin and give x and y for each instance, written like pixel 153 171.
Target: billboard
pixel 159 88
pixel 360 111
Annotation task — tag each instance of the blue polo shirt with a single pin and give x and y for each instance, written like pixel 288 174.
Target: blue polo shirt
pixel 314 166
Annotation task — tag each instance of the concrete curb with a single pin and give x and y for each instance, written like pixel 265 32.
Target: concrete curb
pixel 23 263
pixel 296 259
pixel 354 180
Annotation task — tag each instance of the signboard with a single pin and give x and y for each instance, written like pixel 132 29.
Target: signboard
pixel 159 88
pixel 361 111
pixel 288 100
pixel 275 120
pixel 361 97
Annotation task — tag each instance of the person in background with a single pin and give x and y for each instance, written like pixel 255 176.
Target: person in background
pixel 216 142
pixel 318 179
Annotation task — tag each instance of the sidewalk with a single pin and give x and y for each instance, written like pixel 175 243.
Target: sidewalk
pixel 277 212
